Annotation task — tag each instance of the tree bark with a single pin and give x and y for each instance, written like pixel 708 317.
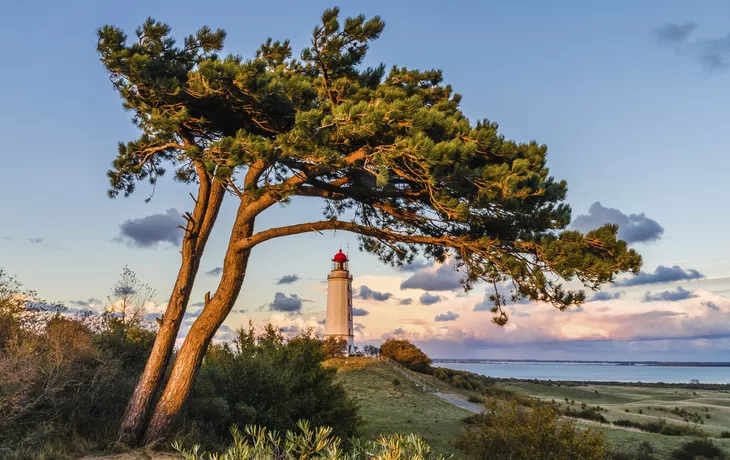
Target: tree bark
pixel 190 356
pixel 197 231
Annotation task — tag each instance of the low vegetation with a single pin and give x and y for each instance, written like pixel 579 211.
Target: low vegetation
pixel 308 443
pixel 407 354
pixel 509 431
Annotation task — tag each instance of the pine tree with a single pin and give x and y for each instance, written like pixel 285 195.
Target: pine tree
pixel 391 156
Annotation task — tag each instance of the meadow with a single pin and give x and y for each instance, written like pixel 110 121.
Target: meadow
pixel 706 410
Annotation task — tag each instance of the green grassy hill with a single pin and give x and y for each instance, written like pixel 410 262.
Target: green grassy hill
pixel 707 410
pixel 388 408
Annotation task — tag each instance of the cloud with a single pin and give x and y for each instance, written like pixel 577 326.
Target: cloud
pixel 668 296
pixel 288 329
pixel 399 331
pixel 152 230
pixel 662 274
pixel 444 278
pixel 367 293
pixel 605 296
pixel 214 271
pixel 711 54
pixel 359 312
pixel 448 316
pixel 405 301
pixel 197 304
pixel 417 264
pixel 288 279
pixel 429 299
pixel 322 321
pixel 710 305
pixel 358 327
pixel 285 303
pixel 484 305
pixel 633 228
pixel 674 33
pixel 85 303
pixel 35 240
pixel 6 238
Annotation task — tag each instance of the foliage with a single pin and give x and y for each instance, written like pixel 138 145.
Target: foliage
pixel 509 431
pixel 407 354
pixel 661 426
pixel 464 379
pixel 308 443
pixel 698 449
pixel 263 379
pixel 370 350
pixel 64 381
pixel 587 413
pixel 334 347
pixel 130 298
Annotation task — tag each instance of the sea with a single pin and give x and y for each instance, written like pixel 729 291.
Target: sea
pixel 597 371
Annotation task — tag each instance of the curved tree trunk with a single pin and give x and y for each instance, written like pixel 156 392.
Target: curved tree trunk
pixel 197 231
pixel 190 356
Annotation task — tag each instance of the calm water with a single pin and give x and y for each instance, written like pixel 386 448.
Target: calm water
pixel 596 372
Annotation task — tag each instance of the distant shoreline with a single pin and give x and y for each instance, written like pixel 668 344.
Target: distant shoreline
pixel 598 363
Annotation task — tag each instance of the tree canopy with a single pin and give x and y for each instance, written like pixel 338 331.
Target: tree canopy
pixel 391 153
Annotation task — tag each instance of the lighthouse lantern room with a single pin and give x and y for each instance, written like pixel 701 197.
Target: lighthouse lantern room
pixel 338 323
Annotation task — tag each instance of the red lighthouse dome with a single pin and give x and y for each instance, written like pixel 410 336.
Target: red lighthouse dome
pixel 340 257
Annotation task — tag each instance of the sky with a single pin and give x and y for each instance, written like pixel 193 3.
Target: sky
pixel 632 99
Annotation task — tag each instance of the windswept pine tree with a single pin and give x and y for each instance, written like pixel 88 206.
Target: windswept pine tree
pixel 390 154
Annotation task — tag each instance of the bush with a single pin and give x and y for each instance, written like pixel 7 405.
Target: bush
pixel 701 448
pixel 511 432
pixel 589 413
pixel 67 385
pixel 725 434
pixel 660 426
pixel 315 444
pixel 262 379
pixel 407 354
pixel 475 399
pixel 464 379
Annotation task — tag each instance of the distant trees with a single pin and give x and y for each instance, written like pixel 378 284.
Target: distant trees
pixel 129 298
pixel 334 347
pixel 407 354
pixel 507 431
pixel 371 350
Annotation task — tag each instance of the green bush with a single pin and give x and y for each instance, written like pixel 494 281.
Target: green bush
pixel 264 380
pixel 725 434
pixel 701 448
pixel 509 431
pixel 313 444
pixel 589 413
pixel 660 426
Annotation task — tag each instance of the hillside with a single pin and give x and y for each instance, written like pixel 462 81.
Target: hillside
pixel 707 410
pixel 388 408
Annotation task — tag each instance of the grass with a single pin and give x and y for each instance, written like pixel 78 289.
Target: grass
pixel 677 406
pixel 387 408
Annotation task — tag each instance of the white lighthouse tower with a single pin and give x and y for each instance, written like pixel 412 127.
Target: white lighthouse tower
pixel 339 302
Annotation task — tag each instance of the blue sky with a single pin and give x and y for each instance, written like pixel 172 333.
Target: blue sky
pixel 633 122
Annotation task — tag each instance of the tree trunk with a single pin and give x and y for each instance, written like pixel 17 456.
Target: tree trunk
pixel 197 231
pixel 190 356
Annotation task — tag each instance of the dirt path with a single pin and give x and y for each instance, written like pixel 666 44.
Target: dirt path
pixel 459 402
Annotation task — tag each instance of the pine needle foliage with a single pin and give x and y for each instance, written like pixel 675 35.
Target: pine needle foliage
pixel 390 153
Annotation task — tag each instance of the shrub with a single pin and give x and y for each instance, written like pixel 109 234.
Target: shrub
pixel 396 382
pixel 511 432
pixel 407 354
pixel 725 434
pixel 701 448
pixel 475 399
pixel 315 444
pixel 660 426
pixel 264 380
pixel 591 413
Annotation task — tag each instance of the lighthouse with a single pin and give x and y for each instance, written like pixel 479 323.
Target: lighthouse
pixel 338 324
